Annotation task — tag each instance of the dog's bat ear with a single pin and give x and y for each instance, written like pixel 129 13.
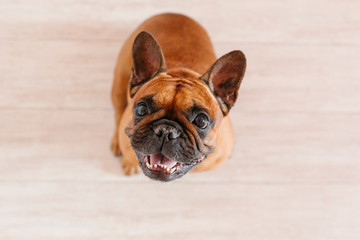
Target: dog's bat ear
pixel 147 61
pixel 224 78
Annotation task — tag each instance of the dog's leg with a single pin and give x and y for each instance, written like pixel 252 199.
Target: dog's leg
pixel 119 100
pixel 130 165
pixel 115 146
pixel 129 161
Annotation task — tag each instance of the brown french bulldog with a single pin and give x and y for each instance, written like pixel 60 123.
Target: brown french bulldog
pixel 172 97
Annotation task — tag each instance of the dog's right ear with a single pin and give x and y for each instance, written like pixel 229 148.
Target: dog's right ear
pixel 147 61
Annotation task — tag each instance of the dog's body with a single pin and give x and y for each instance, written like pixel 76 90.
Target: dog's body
pixel 174 87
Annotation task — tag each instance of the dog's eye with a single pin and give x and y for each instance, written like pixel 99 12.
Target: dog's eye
pixel 201 121
pixel 141 110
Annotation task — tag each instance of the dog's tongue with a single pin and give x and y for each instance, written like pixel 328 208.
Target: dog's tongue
pixel 161 159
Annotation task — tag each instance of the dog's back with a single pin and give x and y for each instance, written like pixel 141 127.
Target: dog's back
pixel 183 41
pixel 185 45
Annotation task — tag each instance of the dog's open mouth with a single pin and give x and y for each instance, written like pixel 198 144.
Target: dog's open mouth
pixel 160 163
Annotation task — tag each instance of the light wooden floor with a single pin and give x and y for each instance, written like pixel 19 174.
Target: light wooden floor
pixel 295 172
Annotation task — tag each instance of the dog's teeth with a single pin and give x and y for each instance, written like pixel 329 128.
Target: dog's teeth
pixel 148 165
pixel 172 170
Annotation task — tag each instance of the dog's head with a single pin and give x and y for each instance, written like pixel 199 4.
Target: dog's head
pixel 175 119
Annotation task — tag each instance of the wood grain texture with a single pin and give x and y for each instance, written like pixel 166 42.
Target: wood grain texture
pixel 294 172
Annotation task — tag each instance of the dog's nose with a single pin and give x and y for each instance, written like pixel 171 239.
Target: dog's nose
pixel 167 131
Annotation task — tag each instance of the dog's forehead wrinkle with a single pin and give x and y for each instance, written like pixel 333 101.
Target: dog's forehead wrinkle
pixel 148 97
pixel 170 96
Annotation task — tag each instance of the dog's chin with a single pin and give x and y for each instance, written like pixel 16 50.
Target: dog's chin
pixel 161 168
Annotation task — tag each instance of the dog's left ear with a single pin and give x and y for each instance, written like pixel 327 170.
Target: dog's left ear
pixel 224 78
pixel 147 61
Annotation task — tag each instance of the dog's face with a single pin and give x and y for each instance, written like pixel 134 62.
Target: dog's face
pixel 174 126
pixel 175 120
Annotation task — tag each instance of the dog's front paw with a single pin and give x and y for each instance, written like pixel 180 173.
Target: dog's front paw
pixel 115 146
pixel 130 167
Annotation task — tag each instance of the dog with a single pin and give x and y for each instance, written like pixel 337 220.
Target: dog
pixel 172 97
